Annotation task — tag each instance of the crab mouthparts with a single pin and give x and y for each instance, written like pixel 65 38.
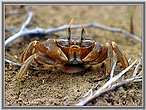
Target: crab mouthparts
pixel 73 68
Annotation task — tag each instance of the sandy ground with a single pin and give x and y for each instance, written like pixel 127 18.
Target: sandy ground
pixel 55 88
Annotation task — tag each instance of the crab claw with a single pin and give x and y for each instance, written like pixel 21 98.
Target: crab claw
pixel 94 54
pixel 54 52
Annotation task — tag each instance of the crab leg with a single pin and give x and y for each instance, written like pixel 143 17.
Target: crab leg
pixel 120 55
pixel 30 50
pixel 114 53
pixel 22 73
pixel 39 59
pixel 110 58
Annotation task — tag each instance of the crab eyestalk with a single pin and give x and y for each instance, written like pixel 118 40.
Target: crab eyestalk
pixel 82 35
pixel 69 31
pixel 69 36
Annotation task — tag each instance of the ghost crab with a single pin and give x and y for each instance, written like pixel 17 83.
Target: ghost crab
pixel 70 54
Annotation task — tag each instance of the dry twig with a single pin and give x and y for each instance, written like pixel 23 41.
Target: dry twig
pixel 110 85
pixel 21 31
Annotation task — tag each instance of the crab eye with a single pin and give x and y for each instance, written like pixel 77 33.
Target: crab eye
pixel 63 43
pixel 87 43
